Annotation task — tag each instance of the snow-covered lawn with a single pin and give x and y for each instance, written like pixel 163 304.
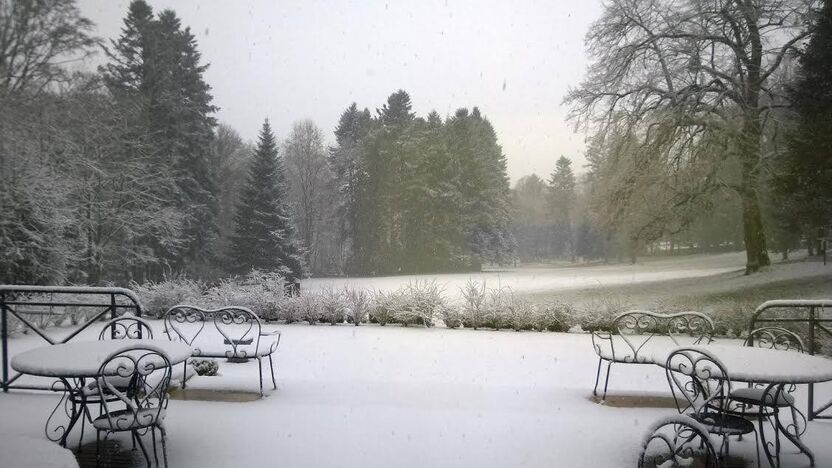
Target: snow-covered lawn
pixel 536 280
pixel 375 396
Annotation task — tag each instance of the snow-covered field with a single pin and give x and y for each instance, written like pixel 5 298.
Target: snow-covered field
pixel 535 280
pixel 375 396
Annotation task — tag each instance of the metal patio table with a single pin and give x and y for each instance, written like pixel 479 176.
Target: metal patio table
pixel 75 362
pixel 774 368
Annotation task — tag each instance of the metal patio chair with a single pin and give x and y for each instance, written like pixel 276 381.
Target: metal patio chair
pixel 677 439
pixel 126 327
pixel 636 332
pixel 701 387
pixel 141 406
pixel 752 399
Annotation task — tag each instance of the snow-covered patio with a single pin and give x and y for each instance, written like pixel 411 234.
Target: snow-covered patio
pixel 412 397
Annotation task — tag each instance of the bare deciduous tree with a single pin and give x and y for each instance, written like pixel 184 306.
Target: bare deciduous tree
pixel 311 191
pixel 680 73
pixel 38 37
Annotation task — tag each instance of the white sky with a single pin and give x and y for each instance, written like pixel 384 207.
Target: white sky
pixel 288 60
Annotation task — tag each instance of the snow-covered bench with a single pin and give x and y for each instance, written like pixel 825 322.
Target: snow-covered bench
pixel 640 332
pixel 233 332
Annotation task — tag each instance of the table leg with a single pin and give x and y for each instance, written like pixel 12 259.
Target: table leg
pixel 69 406
pixel 772 393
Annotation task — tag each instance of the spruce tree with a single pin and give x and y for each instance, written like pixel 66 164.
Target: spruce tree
pixel 156 62
pixel 561 200
pixel 264 238
pixel 347 164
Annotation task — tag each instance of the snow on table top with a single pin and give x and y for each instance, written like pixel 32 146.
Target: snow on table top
pixel 751 364
pixel 84 358
pixel 30 452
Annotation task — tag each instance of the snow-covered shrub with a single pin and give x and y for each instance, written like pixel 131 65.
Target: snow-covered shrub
pixel 518 313
pixel 309 307
pixel 384 306
pixel 451 315
pixel 358 303
pixel 332 306
pixel 157 298
pixel 556 316
pixel 732 318
pixel 497 314
pixel 263 293
pixel 419 302
pixel 474 308
pixel 291 310
pixel 205 366
pixel 599 313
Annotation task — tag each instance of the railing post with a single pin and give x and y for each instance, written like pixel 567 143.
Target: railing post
pixel 112 315
pixel 811 395
pixel 4 333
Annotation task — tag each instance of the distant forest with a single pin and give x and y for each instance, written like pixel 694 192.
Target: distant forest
pixel 124 174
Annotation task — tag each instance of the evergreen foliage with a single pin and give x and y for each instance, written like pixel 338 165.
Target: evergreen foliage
pixel 803 192
pixel 421 194
pixel 264 238
pixel 155 62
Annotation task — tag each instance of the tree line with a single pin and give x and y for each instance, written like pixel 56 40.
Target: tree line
pixel 124 174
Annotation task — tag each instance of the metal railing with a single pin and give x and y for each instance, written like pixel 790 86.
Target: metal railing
pixel 15 298
pixel 805 313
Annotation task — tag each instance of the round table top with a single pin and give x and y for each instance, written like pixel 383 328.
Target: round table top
pixel 84 358
pixel 752 364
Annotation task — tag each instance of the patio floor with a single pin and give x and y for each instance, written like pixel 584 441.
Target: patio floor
pixel 410 397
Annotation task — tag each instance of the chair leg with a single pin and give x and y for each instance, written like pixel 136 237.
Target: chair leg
pixel 153 438
pixel 271 368
pixel 164 446
pixel 607 381
pixel 97 448
pixel 81 438
pixel 138 439
pixel 597 378
pixel 757 445
pixel 184 373
pixel 260 374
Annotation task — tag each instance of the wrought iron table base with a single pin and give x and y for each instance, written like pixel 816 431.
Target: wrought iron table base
pixel 792 431
pixel 73 402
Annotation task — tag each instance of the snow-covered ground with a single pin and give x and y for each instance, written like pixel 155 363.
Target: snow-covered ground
pixel 535 280
pixel 375 396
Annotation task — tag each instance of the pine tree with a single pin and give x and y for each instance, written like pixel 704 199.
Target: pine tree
pixel 156 62
pixel 346 161
pixel 264 238
pixel 561 199
pixel 132 53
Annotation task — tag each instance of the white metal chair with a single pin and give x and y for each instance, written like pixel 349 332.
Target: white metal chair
pixel 701 387
pixel 677 439
pixel 126 327
pixel 141 406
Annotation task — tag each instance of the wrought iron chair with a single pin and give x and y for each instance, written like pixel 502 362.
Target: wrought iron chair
pixel 241 336
pixel 636 331
pixel 700 386
pixel 142 404
pixel 753 400
pixel 241 331
pixel 126 327
pixel 677 439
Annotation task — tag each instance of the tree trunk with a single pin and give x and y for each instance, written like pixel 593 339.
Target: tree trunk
pixel 752 222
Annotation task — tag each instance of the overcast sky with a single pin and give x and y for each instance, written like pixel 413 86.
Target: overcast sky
pixel 307 59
